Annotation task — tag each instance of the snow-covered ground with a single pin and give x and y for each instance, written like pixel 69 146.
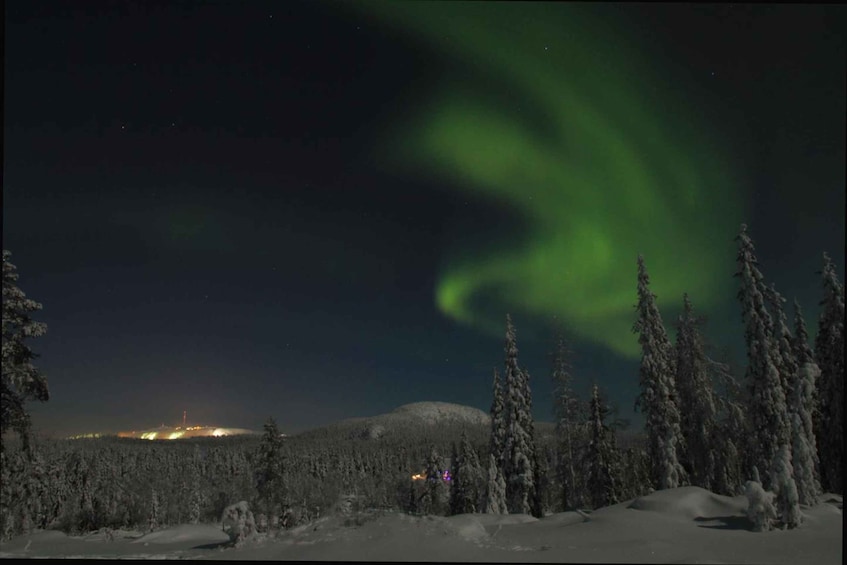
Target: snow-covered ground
pixel 684 525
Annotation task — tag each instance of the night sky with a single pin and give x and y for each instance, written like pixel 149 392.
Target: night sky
pixel 323 210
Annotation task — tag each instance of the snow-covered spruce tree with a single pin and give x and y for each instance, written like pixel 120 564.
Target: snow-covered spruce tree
pixel 495 489
pixel 787 500
pixel 658 395
pixel 518 448
pixel 696 400
pixel 436 495
pixel 601 457
pixel 767 409
pixel 498 421
pixel 495 495
pixel 465 478
pixel 829 352
pixel 568 418
pixel 269 474
pixel 801 401
pixel 730 434
pixel 786 362
pixel 21 381
pixel 760 506
pixel 786 488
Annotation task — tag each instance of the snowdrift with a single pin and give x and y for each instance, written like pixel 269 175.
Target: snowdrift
pixel 684 525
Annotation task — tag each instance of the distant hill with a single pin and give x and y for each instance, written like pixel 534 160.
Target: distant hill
pixel 430 419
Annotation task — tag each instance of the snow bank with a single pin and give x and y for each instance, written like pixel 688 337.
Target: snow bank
pixel 197 534
pixel 684 525
pixel 689 503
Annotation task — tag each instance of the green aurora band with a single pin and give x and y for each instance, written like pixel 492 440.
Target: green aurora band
pixel 596 155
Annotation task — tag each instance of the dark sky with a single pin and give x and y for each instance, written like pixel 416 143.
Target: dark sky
pixel 318 210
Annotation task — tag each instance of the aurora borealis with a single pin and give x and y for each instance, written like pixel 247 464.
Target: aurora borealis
pixel 591 163
pixel 316 210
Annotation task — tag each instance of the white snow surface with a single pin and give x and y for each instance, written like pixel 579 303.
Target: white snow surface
pixel 683 525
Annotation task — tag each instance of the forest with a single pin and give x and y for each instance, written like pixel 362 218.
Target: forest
pixel 774 434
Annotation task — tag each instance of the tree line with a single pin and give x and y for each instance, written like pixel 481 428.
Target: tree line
pixel 775 434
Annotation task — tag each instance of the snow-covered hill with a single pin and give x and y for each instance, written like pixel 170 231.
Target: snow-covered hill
pixel 429 413
pixel 425 417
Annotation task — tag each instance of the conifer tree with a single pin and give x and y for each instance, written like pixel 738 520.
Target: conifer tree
pixel 695 399
pixel 829 352
pixel 269 473
pixel 495 485
pixel 800 407
pixel 498 423
pixel 730 432
pixel 568 419
pixel 768 410
pixel 21 381
pixel 495 489
pixel 518 448
pixel 602 478
pixel 436 495
pixel 658 397
pixel 465 478
pixel 786 362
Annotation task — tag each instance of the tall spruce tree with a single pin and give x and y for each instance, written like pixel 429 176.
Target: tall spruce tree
pixel 787 498
pixel 800 407
pixel 696 399
pixel 269 473
pixel 568 419
pixel 658 397
pixel 603 486
pixel 495 491
pixel 465 478
pixel 21 381
pixel 518 448
pixel 786 362
pixel 498 421
pixel 767 410
pixel 829 352
pixel 436 496
pixel 731 432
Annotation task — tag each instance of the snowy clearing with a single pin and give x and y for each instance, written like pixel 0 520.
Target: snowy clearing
pixel 684 525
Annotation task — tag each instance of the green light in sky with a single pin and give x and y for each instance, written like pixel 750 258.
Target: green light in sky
pixel 554 117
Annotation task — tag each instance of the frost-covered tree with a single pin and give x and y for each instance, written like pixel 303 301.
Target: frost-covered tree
pixel 498 422
pixel 829 352
pixel 495 489
pixel 518 448
pixel 782 338
pixel 21 381
pixel 731 431
pixel 761 510
pixel 658 397
pixel 495 496
pixel 465 478
pixel 696 399
pixel 767 410
pixel 269 473
pixel 436 494
pixel 801 403
pixel 601 457
pixel 787 500
pixel 569 418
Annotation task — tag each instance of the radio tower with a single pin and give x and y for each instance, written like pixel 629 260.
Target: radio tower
pixel 184 412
